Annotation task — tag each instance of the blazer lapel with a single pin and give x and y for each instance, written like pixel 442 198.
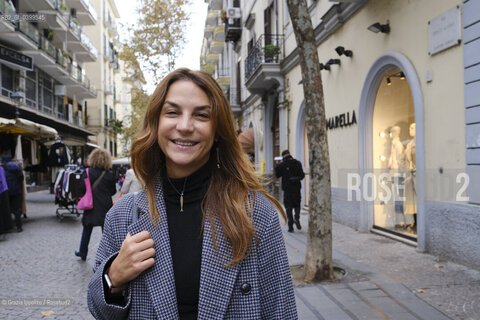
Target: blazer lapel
pixel 216 279
pixel 159 279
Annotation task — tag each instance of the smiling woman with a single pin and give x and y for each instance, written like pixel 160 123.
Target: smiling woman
pixel 208 242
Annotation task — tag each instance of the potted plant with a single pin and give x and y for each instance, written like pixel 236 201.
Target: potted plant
pixel 271 52
pixel 49 33
pixel 223 16
pixel 63 6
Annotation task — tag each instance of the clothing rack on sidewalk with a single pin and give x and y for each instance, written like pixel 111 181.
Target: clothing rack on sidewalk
pixel 69 188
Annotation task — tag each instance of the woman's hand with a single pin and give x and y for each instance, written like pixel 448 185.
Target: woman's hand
pixel 135 256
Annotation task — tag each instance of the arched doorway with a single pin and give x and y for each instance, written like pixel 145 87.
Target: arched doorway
pixel 393 142
pixel 370 128
pixel 301 152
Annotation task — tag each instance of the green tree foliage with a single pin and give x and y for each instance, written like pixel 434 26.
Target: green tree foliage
pixel 158 35
pixel 139 106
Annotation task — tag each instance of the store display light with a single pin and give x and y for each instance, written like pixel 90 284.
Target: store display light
pixel 389 82
pixel 341 51
pixel 333 61
pixel 324 66
pixel 378 27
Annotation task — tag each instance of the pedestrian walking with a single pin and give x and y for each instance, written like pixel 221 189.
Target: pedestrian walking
pixel 292 173
pixel 131 183
pixel 14 178
pixel 100 163
pixel 208 242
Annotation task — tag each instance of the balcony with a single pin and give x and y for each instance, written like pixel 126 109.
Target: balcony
pixel 82 88
pixel 233 96
pixel 212 58
pixel 219 33
pixel 6 9
pixel 112 29
pixel 86 14
pixel 45 54
pixel 59 68
pixel 209 31
pixel 212 17
pixel 215 4
pixel 233 29
pixel 38 5
pixel 85 51
pixel 262 66
pixel 223 77
pixel 217 47
pixel 107 88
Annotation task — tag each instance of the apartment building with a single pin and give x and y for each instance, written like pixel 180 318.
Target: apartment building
pixel 401 92
pixel 101 113
pixel 45 89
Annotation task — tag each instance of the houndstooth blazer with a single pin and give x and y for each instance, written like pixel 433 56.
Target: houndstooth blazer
pixel 223 293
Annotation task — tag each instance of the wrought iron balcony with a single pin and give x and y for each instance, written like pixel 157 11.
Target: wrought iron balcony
pixel 267 49
pixel 233 29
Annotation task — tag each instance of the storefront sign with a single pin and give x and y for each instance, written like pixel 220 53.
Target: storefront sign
pixel 15 59
pixel 444 31
pixel 342 120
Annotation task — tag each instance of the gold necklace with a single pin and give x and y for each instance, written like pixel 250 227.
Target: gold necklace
pixel 180 194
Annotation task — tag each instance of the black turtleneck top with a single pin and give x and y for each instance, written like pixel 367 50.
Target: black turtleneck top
pixel 185 231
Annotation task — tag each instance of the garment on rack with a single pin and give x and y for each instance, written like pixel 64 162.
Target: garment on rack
pixel 59 155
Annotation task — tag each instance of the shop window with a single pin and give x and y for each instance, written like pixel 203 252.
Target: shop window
pixel 60 108
pixel 31 89
pixel 8 78
pixel 47 97
pixel 393 139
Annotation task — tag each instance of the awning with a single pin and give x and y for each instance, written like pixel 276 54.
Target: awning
pixel 93 145
pixel 26 127
pixel 67 141
pixel 247 141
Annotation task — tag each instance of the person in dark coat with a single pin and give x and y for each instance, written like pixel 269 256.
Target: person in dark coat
pixel 100 163
pixel 14 177
pixel 292 173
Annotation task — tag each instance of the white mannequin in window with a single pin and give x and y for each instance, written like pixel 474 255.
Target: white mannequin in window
pixel 410 203
pixel 396 161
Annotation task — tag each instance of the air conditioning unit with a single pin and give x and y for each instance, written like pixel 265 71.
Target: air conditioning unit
pixel 234 13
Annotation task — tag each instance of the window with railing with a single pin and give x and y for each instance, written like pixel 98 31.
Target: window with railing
pixel 61 114
pixel 105 115
pixel 8 80
pixel 46 88
pixel 31 89
pixel 267 49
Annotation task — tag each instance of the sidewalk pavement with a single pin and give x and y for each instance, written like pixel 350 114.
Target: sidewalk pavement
pixel 385 279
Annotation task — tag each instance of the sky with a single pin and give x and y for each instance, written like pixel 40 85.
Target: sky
pixel 190 56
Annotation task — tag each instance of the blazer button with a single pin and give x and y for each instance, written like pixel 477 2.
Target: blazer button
pixel 245 288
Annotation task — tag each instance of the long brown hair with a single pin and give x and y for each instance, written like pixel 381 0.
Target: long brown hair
pixel 227 197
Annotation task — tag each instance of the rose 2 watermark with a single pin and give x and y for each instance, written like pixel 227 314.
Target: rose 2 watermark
pixel 384 187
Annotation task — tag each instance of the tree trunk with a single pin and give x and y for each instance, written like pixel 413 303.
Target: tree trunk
pixel 318 261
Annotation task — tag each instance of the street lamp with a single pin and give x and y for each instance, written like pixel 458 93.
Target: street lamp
pixel 17 96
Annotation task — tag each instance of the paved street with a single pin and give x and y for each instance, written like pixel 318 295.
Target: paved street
pixel 384 279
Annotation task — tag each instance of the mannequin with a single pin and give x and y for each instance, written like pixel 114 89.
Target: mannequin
pixel 410 203
pixel 396 164
pixel 397 157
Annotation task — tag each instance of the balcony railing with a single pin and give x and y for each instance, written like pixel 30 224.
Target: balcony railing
pixel 29 30
pixel 233 30
pixel 86 41
pixel 267 49
pixel 48 47
pixel 74 26
pixel 221 73
pixel 6 9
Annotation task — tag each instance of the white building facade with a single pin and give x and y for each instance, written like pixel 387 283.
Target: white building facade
pixel 401 93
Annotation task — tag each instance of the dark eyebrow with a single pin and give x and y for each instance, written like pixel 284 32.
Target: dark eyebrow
pixel 173 104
